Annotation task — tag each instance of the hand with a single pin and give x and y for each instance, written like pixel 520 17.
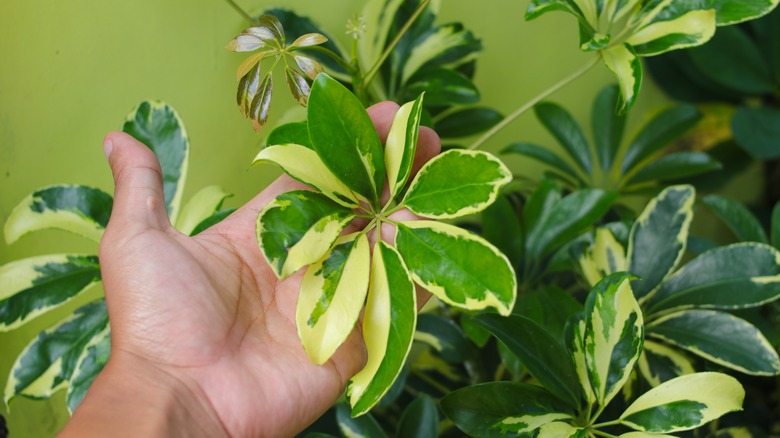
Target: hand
pixel 203 334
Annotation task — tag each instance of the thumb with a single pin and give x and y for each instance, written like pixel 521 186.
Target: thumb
pixel 139 200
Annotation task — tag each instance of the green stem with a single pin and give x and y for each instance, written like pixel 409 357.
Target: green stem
pixel 242 12
pixel 604 434
pixel 378 64
pixel 530 104
pixel 438 385
pixel 607 423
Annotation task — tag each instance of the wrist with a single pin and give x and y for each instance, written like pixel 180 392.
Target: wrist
pixel 133 397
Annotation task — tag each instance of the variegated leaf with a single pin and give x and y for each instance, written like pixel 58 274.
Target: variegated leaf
pixel 658 238
pixel 364 426
pixel 660 363
pixel 499 409
pixel 450 263
pixel 401 145
pixel 613 335
pixel 304 164
pixel 561 429
pixel 388 328
pixel 298 86
pixel 719 337
pixel 604 257
pixel 345 138
pixel 539 7
pixel 48 361
pixel 444 336
pixel 677 27
pixel 730 277
pixel 33 286
pixel 684 403
pixel 259 101
pixel 290 133
pixel 380 17
pixel 437 44
pixel 333 291
pixel 737 11
pixel 574 333
pixel 79 209
pixel 297 228
pixel 309 39
pixel 202 205
pixel 158 126
pixel 627 68
pixel 456 183
pixel 644 435
pixel 93 358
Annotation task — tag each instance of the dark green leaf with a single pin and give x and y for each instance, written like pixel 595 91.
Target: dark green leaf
pixel 660 363
pixel 158 126
pixel 775 226
pixel 444 336
pixel 674 166
pixel 567 131
pixel 91 363
pixel 345 138
pixel 480 410
pixel 501 227
pixel 739 219
pixel 545 195
pixel 543 355
pixel 607 125
pixel 546 156
pixel 364 426
pixel 720 338
pixel 550 307
pixel 212 220
pixel 442 87
pixel 466 122
pixel 420 419
pixel 757 131
pixel 737 11
pixel 658 133
pixel 474 332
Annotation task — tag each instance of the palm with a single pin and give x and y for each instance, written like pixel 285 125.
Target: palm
pixel 210 310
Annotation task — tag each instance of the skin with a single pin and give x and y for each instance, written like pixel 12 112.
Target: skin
pixel 203 336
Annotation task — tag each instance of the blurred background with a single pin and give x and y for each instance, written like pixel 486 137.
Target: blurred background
pixel 71 72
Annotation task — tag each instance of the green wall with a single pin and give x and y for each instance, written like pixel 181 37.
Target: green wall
pixel 72 70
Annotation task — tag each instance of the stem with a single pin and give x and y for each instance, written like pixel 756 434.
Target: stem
pixel 528 105
pixel 242 12
pixel 607 423
pixel 378 64
pixel 427 379
pixel 604 434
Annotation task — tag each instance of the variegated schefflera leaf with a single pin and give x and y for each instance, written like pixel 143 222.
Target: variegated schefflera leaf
pixel 622 32
pixel 255 88
pixel 343 161
pixel 74 350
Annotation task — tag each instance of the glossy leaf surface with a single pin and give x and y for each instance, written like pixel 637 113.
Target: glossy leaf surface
pixel 737 11
pixel 450 263
pixel 364 426
pixel 401 144
pixel 568 133
pixel 456 183
pixel 33 286
pixel 660 363
pixel 605 256
pixel 420 419
pixel 466 122
pixel 79 209
pixel 290 133
pixel 684 403
pixel 158 126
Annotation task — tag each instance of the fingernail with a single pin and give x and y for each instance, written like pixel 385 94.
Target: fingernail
pixel 108 145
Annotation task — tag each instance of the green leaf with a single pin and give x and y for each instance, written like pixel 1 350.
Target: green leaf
pixel 467 122
pixel 737 11
pixel 345 139
pixel 388 328
pixel 200 207
pixel 550 307
pixel 660 363
pixel 545 195
pixel 299 87
pixel 719 337
pixel 401 144
pixel 712 279
pixel 567 131
pixel 545 156
pixel 733 61
pixel 304 165
pixel 613 335
pixel 79 209
pixel 658 133
pixel 442 87
pixel 539 7
pixel 450 263
pixel 297 228
pixel 680 25
pixel 627 68
pixel 420 419
pixel 290 133
pixel 605 256
pixel 566 219
pixel 364 426
pixel 93 358
pixel 739 219
pixel 444 336
pixel 501 227
pixel 658 238
pixel 675 166
pixel 212 220
pixel 542 355
pixel 158 126
pixel 607 125
pixel 48 361
pixel 456 183
pixel 258 101
pixel 757 130
pixel 35 285
pixel 684 403
pixel 775 226
pixel 333 291
pixel 444 45
pixel 498 409
pixel 473 331
pixel 574 339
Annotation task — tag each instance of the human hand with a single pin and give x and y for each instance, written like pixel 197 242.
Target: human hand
pixel 203 333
